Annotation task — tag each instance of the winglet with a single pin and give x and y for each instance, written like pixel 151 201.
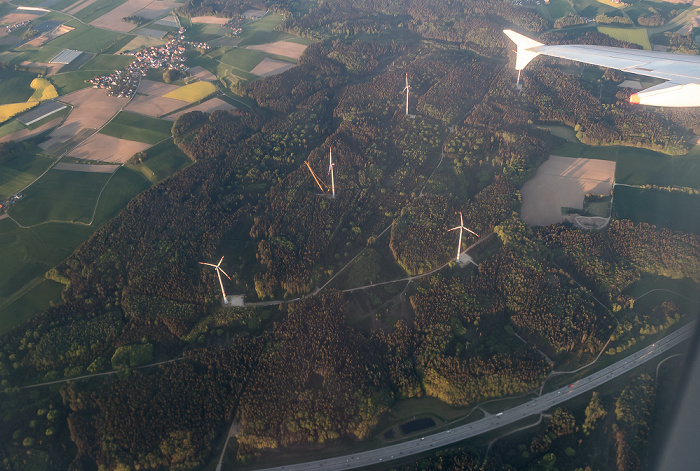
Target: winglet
pixel 525 55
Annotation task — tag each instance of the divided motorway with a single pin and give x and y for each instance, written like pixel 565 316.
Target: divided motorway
pixel 492 422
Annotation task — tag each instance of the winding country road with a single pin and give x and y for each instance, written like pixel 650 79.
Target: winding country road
pixel 491 421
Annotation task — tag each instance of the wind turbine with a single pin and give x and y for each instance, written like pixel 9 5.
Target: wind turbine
pixel 330 170
pixel 320 183
pixel 461 227
pixel 219 271
pixel 408 87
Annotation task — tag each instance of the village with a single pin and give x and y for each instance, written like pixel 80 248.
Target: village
pixel 123 83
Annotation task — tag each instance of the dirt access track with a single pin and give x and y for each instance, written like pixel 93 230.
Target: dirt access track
pixel 563 182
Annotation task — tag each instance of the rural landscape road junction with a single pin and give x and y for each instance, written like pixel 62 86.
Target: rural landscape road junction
pixel 494 421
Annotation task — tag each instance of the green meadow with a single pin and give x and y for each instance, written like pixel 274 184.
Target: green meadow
pixel 108 62
pixel 556 9
pixel 122 187
pixel 14 86
pixel 71 81
pixel 92 11
pixel 631 35
pixel 137 127
pixel 9 127
pixel 163 160
pixel 673 210
pixel 60 196
pixel 26 254
pixel 591 8
pixel 642 166
pixel 21 171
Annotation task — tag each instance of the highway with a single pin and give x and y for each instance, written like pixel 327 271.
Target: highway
pixel 494 421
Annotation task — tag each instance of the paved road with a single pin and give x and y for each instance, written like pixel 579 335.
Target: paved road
pixel 492 422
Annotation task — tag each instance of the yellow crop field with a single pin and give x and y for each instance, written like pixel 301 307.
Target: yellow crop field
pixel 13 109
pixel 43 90
pixel 631 35
pixel 192 92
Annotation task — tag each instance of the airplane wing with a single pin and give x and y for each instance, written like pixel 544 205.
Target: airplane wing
pixel 681 71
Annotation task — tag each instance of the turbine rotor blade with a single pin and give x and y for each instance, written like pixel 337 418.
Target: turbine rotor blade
pixel 209 264
pixel 222 259
pixel 472 232
pixel 222 271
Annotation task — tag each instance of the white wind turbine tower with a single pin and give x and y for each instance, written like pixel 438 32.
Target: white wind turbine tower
pixel 330 170
pixel 461 227
pixel 219 271
pixel 408 87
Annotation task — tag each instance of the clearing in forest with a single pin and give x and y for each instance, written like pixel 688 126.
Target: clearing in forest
pixel 271 67
pixel 281 48
pixel 563 182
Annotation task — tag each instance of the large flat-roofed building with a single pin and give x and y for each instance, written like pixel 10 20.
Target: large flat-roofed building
pixel 66 56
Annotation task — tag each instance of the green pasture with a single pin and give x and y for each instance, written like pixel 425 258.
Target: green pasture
pixel 72 81
pixel 108 62
pixel 120 44
pixel 222 71
pixel 5 9
pixel 25 255
pixel 245 59
pixel 266 23
pixel 258 36
pixel 21 171
pixel 556 9
pixel 205 33
pixel 15 86
pixel 84 38
pixel 672 210
pixel 140 42
pixel 300 40
pixel 60 196
pixel 41 54
pixel 122 187
pixel 34 299
pixel 163 160
pixel 632 35
pixel 591 8
pixel 95 10
pixel 642 166
pixel 136 127
pixel 10 127
pixel 61 4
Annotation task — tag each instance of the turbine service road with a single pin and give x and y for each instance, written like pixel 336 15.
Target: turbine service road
pixel 491 422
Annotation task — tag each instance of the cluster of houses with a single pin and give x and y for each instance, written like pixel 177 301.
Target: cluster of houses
pixel 169 56
pixel 15 26
pixel 7 203
pixel 236 25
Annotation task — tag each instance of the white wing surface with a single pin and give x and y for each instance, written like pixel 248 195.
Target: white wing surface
pixel 681 71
